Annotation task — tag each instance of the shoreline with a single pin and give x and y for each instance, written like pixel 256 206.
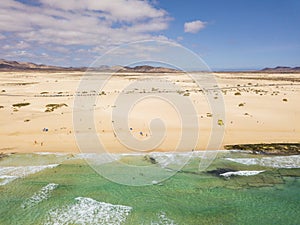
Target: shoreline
pixel 272 149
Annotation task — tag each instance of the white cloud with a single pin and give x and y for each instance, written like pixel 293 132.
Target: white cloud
pixel 121 10
pixel 21 45
pixel 82 21
pixel 56 24
pixel 44 54
pixel 23 53
pixel 194 26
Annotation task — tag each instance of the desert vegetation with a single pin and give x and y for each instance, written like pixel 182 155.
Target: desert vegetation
pixel 52 107
pixel 19 105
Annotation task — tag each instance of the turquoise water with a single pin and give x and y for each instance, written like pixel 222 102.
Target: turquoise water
pixel 64 189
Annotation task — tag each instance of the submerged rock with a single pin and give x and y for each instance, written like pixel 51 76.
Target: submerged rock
pixel 220 171
pixel 150 159
pixel 2 155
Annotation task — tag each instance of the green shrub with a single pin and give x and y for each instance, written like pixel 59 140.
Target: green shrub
pixel 220 122
pixel 208 115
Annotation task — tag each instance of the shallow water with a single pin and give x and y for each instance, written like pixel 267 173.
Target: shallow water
pixel 64 189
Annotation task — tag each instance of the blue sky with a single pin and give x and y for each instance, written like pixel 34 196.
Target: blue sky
pixel 232 34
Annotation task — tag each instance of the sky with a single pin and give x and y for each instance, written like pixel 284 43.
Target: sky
pixel 231 34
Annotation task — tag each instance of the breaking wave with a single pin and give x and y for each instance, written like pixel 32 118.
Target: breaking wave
pixel 40 196
pixel 87 211
pixel 292 161
pixel 10 173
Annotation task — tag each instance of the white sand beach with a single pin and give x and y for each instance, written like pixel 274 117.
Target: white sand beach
pixel 259 108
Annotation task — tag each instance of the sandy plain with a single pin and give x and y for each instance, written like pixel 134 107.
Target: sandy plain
pixel 258 107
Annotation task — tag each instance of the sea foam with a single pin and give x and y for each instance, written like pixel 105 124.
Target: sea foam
pixel 242 173
pixel 5 179
pixel 163 220
pixel 292 161
pixel 98 159
pixel 10 173
pixel 168 159
pixel 87 211
pixel 39 196
pixel 52 153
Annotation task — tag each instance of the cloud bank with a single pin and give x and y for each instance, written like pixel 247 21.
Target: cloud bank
pixel 76 28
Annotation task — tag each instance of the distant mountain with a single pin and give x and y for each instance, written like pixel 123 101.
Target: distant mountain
pixel 6 65
pixel 14 65
pixel 148 69
pixel 282 69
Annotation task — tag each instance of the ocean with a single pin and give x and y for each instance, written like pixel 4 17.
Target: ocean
pixel 237 188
